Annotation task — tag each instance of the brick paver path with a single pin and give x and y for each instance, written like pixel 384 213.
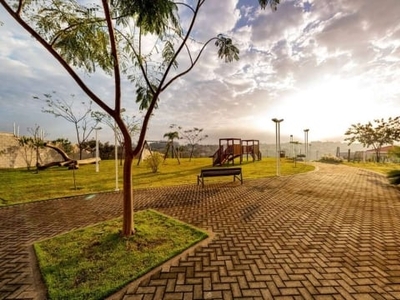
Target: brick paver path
pixel 329 234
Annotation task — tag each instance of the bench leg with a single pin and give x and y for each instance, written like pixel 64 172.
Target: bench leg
pixel 239 177
pixel 200 179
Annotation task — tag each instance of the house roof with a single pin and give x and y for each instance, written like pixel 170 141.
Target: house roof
pixel 383 149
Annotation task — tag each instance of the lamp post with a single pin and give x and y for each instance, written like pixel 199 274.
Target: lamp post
pixel 306 144
pixel 291 145
pixel 278 144
pixel 97 149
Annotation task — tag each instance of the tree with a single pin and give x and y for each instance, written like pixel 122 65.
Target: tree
pixel 132 124
pixel 171 136
pixel 27 145
pixel 84 122
pixel 31 146
pixel 63 144
pixel 90 146
pixel 37 142
pixel 394 175
pixel 375 134
pixel 111 36
pixel 106 150
pixel 193 137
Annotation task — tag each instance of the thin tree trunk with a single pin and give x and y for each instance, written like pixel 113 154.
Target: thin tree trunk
pixel 128 221
pixel 191 153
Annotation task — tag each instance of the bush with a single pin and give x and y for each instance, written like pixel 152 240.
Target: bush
pixel 153 161
pixel 394 176
pixel 330 159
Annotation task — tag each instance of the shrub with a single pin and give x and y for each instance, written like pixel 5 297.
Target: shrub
pixel 330 159
pixel 394 176
pixel 153 161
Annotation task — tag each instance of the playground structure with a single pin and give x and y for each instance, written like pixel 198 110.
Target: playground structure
pixel 231 149
pixel 147 151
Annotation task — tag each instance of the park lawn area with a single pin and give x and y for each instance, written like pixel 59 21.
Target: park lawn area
pixel 94 262
pixel 383 168
pixel 21 185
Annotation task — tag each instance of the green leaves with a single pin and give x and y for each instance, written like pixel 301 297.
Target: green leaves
pixel 154 16
pixel 272 3
pixel 144 96
pixel 375 134
pixel 77 33
pixel 226 49
pixel 168 54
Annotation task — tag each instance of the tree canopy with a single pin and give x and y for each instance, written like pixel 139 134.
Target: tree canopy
pixel 375 134
pixel 139 39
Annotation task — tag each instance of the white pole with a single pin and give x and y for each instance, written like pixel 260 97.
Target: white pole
pixel 97 153
pixel 278 145
pixel 306 144
pixel 279 149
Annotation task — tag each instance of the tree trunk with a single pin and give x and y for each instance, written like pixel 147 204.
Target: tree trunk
pixel 80 151
pixel 128 222
pixel 191 152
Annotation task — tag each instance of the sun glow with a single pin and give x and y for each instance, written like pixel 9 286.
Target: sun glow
pixel 346 102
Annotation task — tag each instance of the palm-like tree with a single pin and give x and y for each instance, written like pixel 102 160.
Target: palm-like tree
pixel 171 136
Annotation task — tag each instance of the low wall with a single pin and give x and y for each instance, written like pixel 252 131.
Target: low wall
pixel 14 156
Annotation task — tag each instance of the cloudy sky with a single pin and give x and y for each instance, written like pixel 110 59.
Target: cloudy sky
pixel 320 65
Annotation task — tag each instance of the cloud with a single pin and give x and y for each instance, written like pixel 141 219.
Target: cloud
pixel 321 65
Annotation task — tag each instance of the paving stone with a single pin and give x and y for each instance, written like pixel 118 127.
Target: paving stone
pixel 329 234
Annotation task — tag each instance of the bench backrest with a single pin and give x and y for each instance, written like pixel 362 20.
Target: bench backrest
pixel 220 171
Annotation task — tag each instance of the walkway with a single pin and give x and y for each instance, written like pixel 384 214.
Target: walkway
pixel 329 234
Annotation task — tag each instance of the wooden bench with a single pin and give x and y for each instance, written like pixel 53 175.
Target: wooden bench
pixel 214 172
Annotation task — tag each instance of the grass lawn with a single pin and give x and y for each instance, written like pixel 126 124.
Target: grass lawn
pixel 383 168
pixel 20 185
pixel 94 262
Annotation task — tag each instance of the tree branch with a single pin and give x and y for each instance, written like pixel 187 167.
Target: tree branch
pixel 55 54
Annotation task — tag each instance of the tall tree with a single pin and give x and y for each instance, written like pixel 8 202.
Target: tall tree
pixel 84 120
pixel 114 36
pixel 64 144
pixel 171 136
pixel 31 146
pixel 26 143
pixel 37 142
pixel 132 124
pixel 375 135
pixel 192 136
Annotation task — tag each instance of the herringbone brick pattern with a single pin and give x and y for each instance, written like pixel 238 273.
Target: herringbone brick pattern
pixel 329 234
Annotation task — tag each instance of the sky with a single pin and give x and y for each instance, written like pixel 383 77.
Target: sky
pixel 318 65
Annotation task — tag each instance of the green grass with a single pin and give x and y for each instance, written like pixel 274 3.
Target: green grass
pixel 94 262
pixel 383 168
pixel 20 185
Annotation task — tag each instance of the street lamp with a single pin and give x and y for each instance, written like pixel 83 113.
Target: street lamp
pixel 97 149
pixel 291 145
pixel 278 145
pixel 116 152
pixel 306 143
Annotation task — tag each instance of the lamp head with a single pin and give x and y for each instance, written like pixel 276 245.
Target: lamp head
pixel 277 120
